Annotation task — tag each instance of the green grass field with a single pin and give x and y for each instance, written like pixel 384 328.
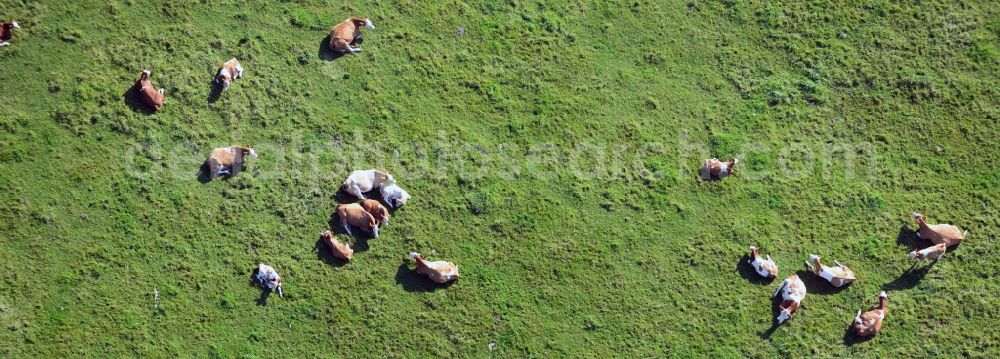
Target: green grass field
pixel 551 149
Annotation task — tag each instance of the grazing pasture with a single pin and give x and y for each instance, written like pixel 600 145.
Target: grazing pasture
pixel 552 149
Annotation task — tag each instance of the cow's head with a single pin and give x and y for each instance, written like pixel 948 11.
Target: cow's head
pixel 369 24
pixel 224 78
pixel 402 199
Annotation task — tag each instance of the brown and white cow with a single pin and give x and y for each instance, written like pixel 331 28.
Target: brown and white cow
pixel 870 323
pixel 838 276
pixel 224 160
pixel 439 271
pixel 229 71
pixel 148 94
pixel 376 209
pixel 353 215
pixel 7 31
pixel 764 267
pixel 714 169
pixel 938 233
pixel 792 291
pixel 933 252
pixel 345 34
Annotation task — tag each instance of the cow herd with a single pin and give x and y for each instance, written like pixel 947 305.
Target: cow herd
pixel 792 290
pixel 367 215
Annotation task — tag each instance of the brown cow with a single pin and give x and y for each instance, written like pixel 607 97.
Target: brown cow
pixel 229 71
pixel 376 209
pixel 224 159
pixel 339 250
pixel 714 169
pixel 149 95
pixel 345 34
pixel 938 233
pixel 352 214
pixel 7 31
pixel 870 323
pixel 439 271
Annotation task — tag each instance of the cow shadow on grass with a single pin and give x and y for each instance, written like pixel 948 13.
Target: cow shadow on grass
pixel 204 173
pixel 342 197
pixel 326 255
pixel 775 310
pixel 215 93
pixel 817 285
pixel 360 237
pixel 910 278
pixel 131 99
pixel 908 238
pixel 325 53
pixel 416 282
pixel 747 272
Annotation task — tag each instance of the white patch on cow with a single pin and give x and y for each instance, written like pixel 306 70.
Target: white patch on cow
pixel 225 72
pixel 368 24
pixel 827 274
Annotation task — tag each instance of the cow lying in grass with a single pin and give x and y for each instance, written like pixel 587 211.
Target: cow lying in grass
pixel 353 215
pixel 933 252
pixel 938 233
pixel 764 267
pixel 440 271
pixel 361 181
pixel 394 195
pixel 7 31
pixel 838 276
pixel 224 160
pixel 870 323
pixel 269 278
pixel 714 169
pixel 148 94
pixel 339 250
pixel 376 210
pixel 229 71
pixel 792 291
pixel 344 35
